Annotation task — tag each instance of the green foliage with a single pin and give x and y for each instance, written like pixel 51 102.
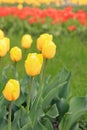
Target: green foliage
pixel 78 106
pixel 54 102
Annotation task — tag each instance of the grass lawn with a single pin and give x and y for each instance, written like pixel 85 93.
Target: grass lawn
pixel 71 54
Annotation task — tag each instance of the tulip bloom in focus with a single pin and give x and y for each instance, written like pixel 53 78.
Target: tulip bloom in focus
pixel 49 49
pixel 12 90
pixel 43 37
pixel 33 64
pixel 26 41
pixel 16 54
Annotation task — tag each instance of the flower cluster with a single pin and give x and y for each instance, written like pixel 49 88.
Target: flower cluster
pixel 46 46
pixel 33 62
pixel 36 15
pixel 39 2
pixel 34 102
pixel 34 2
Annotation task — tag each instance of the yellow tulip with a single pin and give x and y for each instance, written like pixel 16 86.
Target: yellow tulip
pixel 1 34
pixel 49 49
pixel 33 64
pixel 12 90
pixel 3 47
pixel 7 41
pixel 15 54
pixel 26 41
pixel 43 37
pixel 20 6
pixel 82 2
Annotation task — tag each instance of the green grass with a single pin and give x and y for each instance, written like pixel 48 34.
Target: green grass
pixel 71 54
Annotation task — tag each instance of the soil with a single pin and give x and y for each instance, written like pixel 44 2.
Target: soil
pixel 55 125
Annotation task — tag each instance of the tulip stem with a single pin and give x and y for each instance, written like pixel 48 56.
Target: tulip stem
pixel 29 94
pixel 0 61
pixel 40 89
pixel 43 72
pixel 15 64
pixel 9 116
pixel 25 52
pixel 42 78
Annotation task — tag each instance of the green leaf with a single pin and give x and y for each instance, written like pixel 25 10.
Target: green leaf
pixel 78 106
pixel 20 100
pixel 52 94
pixel 24 83
pixel 75 127
pixel 62 107
pixel 64 92
pixel 52 112
pixel 21 119
pixel 3 114
pixel 63 75
pixel 36 114
pixel 40 126
pixel 27 127
pixel 50 85
pixel 48 124
pixel 9 72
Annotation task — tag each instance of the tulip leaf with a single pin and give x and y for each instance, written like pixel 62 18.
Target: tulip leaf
pixel 52 112
pixel 3 114
pixel 48 124
pixel 52 94
pixel 50 85
pixel 24 83
pixel 27 127
pixel 62 107
pixel 8 72
pixel 40 126
pixel 36 114
pixel 64 91
pixel 75 127
pixel 63 75
pixel 21 119
pixel 78 106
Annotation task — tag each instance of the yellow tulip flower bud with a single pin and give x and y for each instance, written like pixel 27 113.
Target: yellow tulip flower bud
pixel 43 37
pixel 20 6
pixel 7 41
pixel 33 64
pixel 26 41
pixel 3 47
pixel 1 34
pixel 49 49
pixel 12 90
pixel 15 54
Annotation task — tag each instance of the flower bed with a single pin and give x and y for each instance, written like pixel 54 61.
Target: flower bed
pixel 33 100
pixel 27 18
